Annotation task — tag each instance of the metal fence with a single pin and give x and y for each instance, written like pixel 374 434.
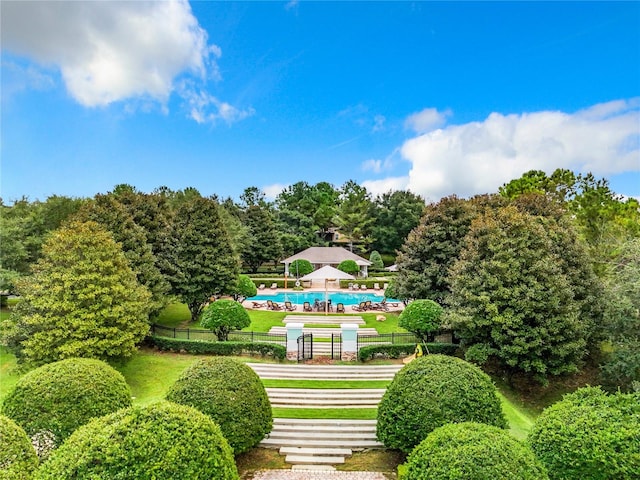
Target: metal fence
pixel 208 335
pixel 442 336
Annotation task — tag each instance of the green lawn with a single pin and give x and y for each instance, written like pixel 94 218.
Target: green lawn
pixel 8 374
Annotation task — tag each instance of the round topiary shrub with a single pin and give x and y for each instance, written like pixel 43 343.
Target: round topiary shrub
pixel 232 394
pixel 18 458
pixel 432 391
pixel 223 316
pixel 589 434
pixel 300 267
pixel 421 317
pixel 55 399
pixel 472 450
pixel 163 441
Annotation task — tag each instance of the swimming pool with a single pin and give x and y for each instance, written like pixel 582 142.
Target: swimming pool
pixel 298 298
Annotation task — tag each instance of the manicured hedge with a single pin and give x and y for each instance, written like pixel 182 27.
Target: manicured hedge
pixel 61 396
pixel 472 451
pixel 400 350
pixel 162 441
pixel 591 435
pixel 232 394
pixel 432 391
pixel 18 458
pixel 220 348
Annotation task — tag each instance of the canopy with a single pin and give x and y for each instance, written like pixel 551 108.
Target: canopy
pixel 327 273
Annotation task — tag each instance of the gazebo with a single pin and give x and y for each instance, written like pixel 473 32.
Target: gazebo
pixel 323 256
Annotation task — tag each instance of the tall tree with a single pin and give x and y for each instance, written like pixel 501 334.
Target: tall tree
pixel 264 244
pixel 396 214
pixel 199 255
pixel 82 300
pixel 113 216
pixel 353 217
pixel 512 295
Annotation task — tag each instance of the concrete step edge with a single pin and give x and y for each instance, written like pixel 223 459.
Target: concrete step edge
pixel 313 459
pixel 323 451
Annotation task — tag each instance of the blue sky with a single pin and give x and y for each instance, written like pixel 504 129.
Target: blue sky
pixel 437 98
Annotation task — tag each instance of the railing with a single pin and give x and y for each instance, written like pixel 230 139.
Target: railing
pixel 396 338
pixel 234 336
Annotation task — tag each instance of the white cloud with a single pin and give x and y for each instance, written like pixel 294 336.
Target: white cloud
pixel 479 157
pixel 110 51
pixel 426 120
pixel 378 123
pixel 378 187
pixel 206 108
pixel 272 191
pixel 378 166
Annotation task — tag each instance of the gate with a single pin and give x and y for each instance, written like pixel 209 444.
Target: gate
pixel 305 347
pixel 336 346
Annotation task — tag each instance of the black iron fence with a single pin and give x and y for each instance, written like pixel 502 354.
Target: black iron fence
pixel 208 335
pixel 441 336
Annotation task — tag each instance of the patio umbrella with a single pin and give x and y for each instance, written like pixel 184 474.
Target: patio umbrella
pixel 327 273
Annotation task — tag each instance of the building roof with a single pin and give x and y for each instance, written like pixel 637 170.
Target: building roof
pixel 327 256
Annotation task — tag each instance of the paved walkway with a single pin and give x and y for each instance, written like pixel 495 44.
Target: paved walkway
pixel 311 475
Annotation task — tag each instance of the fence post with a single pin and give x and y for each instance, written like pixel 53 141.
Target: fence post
pixel 294 330
pixel 174 332
pixel 349 342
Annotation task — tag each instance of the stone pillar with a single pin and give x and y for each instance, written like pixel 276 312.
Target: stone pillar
pixel 294 330
pixel 349 342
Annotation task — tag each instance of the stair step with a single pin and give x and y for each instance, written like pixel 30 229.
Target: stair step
pixel 339 443
pixel 325 428
pixel 345 452
pixel 313 459
pixel 321 435
pixel 313 468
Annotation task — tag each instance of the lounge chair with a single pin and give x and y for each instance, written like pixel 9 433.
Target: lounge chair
pixel 385 286
pixel 376 286
pixel 271 305
pixel 259 304
pixel 274 286
pixel 289 306
pixel 381 305
pixel 363 287
pixel 368 305
pixel 361 307
pixel 306 307
pixel 261 286
pixel 340 308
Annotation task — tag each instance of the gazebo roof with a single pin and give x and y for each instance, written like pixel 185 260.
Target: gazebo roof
pixel 327 256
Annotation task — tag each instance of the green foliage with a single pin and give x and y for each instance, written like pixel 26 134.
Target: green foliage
pixel 431 391
pixel 163 441
pixel 83 300
pixel 245 288
pixel 276 351
pixel 396 213
pixel 114 217
pixel 376 261
pixel 400 350
pixel 353 216
pixel 472 450
pixel 232 394
pixel 61 396
pixel 349 266
pixel 421 317
pixel 300 267
pixel 516 297
pixel 199 255
pixel 264 242
pixel 589 434
pixel 18 458
pixel 224 316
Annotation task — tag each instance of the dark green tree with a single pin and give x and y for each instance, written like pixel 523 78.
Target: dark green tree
pixel 82 300
pixel 349 266
pixel 376 261
pixel 421 317
pixel 300 268
pixel 396 214
pixel 199 256
pixel 512 297
pixel 224 316
pixel 244 289
pixel 354 214
pixel 264 241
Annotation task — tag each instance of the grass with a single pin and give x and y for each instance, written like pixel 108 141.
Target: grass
pixel 519 421
pixel 9 374
pixel 338 413
pixel 325 383
pixel 174 315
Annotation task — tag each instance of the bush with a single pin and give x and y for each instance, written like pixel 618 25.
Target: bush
pixel 349 266
pixel 376 261
pixel 431 391
pixel 472 450
pixel 403 350
pixel 224 316
pixel 163 441
pixel 61 396
pixel 421 317
pixel 245 288
pixel 18 458
pixel 220 348
pixel 300 268
pixel 590 434
pixel 232 394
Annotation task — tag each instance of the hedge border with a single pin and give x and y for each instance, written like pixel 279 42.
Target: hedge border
pixel 403 350
pixel 278 352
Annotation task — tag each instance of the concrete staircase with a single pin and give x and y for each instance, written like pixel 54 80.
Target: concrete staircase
pixel 319 444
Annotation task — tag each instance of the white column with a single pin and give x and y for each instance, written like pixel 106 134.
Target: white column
pixel 349 342
pixel 294 330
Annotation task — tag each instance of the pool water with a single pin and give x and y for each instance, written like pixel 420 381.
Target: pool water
pixel 298 298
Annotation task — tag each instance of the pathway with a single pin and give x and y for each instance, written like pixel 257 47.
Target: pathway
pixel 323 443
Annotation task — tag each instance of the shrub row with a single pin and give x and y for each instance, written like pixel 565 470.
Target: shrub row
pixel 402 350
pixel 220 348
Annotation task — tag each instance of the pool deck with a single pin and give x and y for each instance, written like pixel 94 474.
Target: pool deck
pixel 348 308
